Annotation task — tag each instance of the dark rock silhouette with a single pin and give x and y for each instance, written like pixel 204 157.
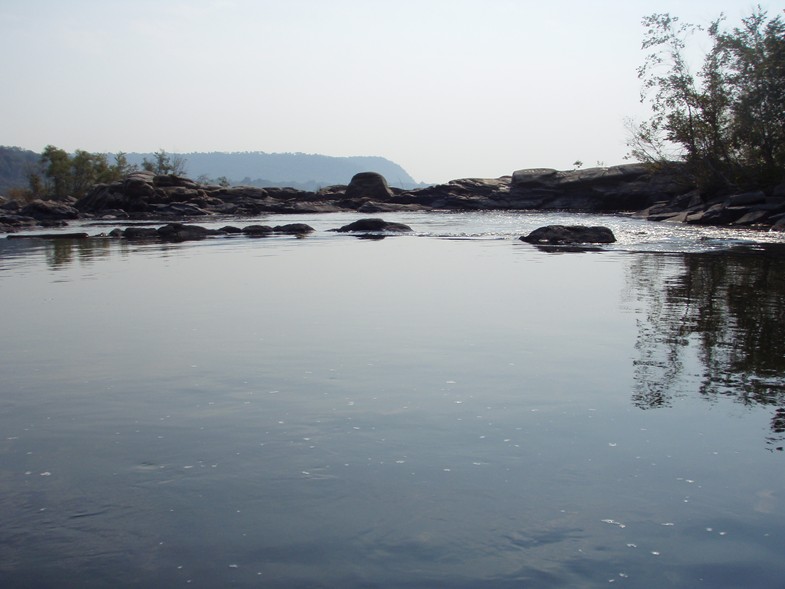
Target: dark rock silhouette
pixel 373 226
pixel 368 185
pixel 569 234
pixel 176 232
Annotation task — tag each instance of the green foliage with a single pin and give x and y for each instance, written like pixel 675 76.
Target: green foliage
pixel 164 164
pixel 727 121
pixel 65 175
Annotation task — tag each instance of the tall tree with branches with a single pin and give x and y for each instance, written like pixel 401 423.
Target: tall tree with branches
pixel 727 120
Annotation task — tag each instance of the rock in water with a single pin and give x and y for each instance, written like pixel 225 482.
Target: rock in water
pixel 181 232
pixel 373 225
pixel 294 229
pixel 569 234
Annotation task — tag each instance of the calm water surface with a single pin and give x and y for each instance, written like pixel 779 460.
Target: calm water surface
pixel 450 409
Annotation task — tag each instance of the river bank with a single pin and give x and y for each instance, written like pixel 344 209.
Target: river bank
pixel 663 195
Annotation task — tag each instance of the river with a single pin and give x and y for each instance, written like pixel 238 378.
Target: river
pixel 453 408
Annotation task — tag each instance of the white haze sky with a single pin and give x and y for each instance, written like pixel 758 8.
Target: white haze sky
pixel 446 88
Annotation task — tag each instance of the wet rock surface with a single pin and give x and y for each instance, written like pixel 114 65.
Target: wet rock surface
pixel 569 235
pixel 374 225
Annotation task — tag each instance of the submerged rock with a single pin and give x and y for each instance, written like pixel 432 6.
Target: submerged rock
pixel 569 234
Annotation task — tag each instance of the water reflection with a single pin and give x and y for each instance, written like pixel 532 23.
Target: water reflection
pixel 58 254
pixel 712 323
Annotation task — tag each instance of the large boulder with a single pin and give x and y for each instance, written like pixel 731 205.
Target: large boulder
pixel 569 234
pixel 138 184
pixel 368 185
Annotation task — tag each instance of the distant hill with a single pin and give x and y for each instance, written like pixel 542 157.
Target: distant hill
pixel 304 171
pixel 15 165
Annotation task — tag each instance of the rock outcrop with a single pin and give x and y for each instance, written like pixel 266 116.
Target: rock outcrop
pixel 49 210
pixel 655 194
pixel 745 209
pixel 629 187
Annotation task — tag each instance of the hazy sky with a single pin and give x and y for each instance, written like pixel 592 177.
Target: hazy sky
pixel 446 88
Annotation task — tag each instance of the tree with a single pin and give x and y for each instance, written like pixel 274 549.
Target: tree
pixel 164 163
pixel 67 175
pixel 57 171
pixel 755 54
pixel 727 121
pixel 121 165
pixel 83 171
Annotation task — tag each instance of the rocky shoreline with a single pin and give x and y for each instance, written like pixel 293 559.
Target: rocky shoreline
pixel 635 189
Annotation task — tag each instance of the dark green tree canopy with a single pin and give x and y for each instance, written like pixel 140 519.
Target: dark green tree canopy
pixel 727 120
pixel 61 174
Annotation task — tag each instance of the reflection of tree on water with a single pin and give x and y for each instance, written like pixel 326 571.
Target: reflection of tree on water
pixel 60 253
pixel 712 323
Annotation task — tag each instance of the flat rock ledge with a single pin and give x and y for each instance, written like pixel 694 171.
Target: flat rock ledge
pixel 569 235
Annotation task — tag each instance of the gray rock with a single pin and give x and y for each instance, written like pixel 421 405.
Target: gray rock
pixel 628 187
pixel 11 206
pixel 140 233
pixel 373 225
pixel 748 198
pixel 258 230
pixel 718 214
pixel 181 209
pixel 181 232
pixel 752 218
pixel 294 229
pixel 49 210
pixel 368 185
pixel 569 234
